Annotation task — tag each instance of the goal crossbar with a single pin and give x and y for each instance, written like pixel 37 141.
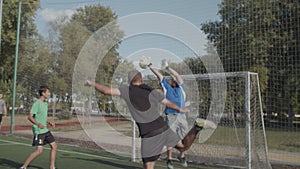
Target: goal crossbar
pixel 208 76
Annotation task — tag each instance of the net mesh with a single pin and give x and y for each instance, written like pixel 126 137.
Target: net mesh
pixel 256 36
pixel 228 144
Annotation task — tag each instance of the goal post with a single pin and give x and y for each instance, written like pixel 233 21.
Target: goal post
pixel 240 138
pixel 252 93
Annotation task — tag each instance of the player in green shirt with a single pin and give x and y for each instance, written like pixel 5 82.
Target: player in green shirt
pixel 42 135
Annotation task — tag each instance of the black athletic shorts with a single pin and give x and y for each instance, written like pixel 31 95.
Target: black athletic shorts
pixel 42 139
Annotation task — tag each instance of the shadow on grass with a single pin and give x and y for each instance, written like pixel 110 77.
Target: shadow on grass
pixel 12 164
pixel 111 163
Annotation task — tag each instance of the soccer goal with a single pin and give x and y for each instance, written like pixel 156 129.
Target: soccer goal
pixel 240 138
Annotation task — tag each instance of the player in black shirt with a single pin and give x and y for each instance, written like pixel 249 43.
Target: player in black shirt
pixel 143 103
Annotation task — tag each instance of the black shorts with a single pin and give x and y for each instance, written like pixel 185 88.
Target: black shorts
pixel 42 139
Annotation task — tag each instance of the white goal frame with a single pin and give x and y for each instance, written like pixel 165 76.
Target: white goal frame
pixel 246 75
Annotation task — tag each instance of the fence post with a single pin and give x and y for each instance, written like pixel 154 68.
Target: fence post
pixel 15 70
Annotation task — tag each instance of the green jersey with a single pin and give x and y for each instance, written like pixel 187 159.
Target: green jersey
pixel 39 110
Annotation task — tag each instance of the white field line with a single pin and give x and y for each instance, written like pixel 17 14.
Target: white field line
pixel 66 151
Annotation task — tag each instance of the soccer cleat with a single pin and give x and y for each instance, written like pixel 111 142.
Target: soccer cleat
pixel 205 124
pixel 182 161
pixel 169 164
pixel 22 168
pixel 199 125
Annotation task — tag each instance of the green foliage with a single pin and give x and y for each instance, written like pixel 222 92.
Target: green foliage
pixel 28 41
pixel 88 16
pixel 67 39
pixel 52 60
pixel 64 115
pixel 257 36
pixel 84 24
pixel 8 34
pixel 263 73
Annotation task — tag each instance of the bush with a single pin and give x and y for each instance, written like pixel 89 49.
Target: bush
pixel 64 115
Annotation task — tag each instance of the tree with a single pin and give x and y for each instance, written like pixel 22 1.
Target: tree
pixel 28 39
pixel 257 36
pixel 70 36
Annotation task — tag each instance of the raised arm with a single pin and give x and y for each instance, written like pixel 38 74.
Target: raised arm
pixel 103 89
pixel 174 106
pixel 157 74
pixel 176 75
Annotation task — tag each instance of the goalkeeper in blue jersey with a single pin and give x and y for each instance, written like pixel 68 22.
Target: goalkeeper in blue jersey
pixel 174 91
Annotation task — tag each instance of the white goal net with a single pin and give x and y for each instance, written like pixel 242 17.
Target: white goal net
pixel 239 140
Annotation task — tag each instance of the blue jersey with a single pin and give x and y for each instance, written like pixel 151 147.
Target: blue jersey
pixel 175 95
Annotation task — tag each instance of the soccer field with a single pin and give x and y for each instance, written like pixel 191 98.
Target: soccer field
pixel 14 152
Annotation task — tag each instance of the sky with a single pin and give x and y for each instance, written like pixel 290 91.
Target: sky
pixel 195 11
pixel 187 15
